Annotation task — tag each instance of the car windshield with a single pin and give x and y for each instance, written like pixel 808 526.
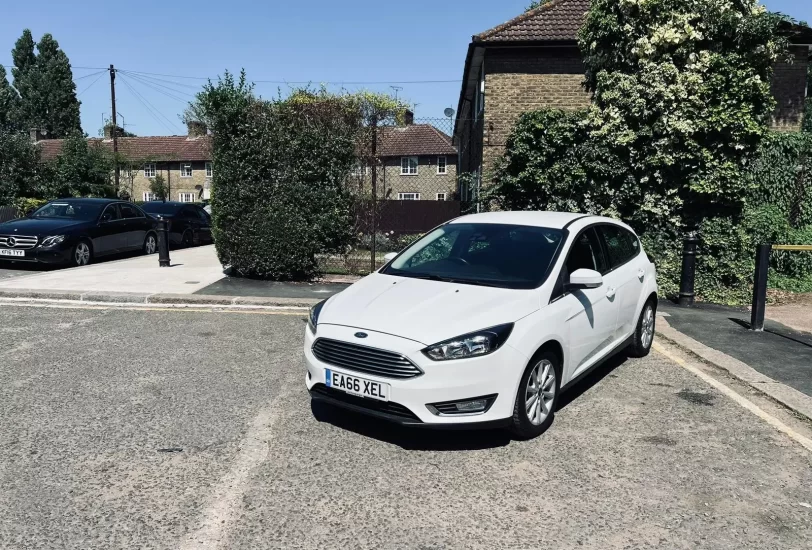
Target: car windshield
pixel 159 208
pixel 79 211
pixel 507 256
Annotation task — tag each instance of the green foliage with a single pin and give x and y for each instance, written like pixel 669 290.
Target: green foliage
pixel 19 167
pixel 80 170
pixel 807 125
pixel 278 188
pixel 9 105
pixel 536 3
pixel 25 206
pixel 157 186
pixel 45 84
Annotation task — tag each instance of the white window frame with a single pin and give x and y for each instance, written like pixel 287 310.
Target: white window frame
pixel 442 196
pixel 360 170
pixel 409 196
pixel 149 170
pixel 209 170
pixel 182 196
pixel 407 169
pixel 149 197
pixel 183 166
pixel 444 171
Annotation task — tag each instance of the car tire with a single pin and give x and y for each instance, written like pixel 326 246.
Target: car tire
pixel 187 239
pixel 82 254
pixel 150 244
pixel 644 331
pixel 542 374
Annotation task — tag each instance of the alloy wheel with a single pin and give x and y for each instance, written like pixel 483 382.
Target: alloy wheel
pixel 150 245
pixel 647 327
pixel 82 255
pixel 540 392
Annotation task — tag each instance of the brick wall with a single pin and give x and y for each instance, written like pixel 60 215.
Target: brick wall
pixel 138 184
pixel 789 89
pixel 519 80
pixel 427 182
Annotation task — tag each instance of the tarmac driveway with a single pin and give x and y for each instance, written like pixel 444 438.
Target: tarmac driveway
pixel 178 429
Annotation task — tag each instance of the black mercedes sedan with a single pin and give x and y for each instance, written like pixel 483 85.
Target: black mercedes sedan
pixel 75 231
pixel 188 224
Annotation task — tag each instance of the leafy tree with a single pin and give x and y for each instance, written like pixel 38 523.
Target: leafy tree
pixel 536 3
pixel 807 127
pixel 158 187
pixel 44 81
pixel 9 104
pixel 19 167
pixel 682 91
pixel 80 170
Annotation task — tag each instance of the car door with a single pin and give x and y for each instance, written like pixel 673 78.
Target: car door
pixel 205 225
pixel 626 275
pixel 591 314
pixel 135 226
pixel 110 235
pixel 192 222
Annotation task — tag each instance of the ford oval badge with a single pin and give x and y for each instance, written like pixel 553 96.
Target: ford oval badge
pixel 361 334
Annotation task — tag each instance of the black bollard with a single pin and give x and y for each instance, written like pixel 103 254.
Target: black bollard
pixel 760 287
pixel 163 243
pixel 686 286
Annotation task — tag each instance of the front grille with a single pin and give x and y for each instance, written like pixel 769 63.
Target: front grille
pixel 363 359
pixel 389 408
pixel 19 241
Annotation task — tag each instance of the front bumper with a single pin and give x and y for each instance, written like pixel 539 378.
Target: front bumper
pixel 59 254
pixel 497 373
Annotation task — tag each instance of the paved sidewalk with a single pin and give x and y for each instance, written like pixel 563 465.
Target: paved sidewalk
pixel 780 352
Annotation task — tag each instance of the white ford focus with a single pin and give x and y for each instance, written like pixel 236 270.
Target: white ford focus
pixel 484 321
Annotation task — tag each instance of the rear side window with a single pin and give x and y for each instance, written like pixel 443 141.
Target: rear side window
pixel 130 211
pixel 621 245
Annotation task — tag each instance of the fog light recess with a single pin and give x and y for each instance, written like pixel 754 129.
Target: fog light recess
pixel 472 406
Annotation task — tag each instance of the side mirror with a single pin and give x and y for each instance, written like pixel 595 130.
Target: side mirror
pixel 389 257
pixel 585 278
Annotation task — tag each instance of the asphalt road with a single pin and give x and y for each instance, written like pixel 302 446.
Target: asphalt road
pixel 177 429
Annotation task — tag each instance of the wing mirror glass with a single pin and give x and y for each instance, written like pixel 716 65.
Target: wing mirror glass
pixel 585 278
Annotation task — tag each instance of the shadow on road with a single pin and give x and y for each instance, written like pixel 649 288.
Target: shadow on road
pixel 412 439
pixel 592 379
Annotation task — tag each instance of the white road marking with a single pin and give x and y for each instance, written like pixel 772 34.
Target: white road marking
pixel 225 501
pixel 203 308
pixel 743 401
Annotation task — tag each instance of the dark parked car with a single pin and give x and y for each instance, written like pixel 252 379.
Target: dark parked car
pixel 188 224
pixel 75 231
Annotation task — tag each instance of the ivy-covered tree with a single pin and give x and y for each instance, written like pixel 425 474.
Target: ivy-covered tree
pixel 9 105
pixel 19 168
pixel 807 127
pixel 45 84
pixel 682 91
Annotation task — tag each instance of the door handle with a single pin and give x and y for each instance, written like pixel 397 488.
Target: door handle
pixel 610 293
pixel 641 274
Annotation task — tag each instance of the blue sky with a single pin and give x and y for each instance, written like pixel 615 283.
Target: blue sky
pixel 276 40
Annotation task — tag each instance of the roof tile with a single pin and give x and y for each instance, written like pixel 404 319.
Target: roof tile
pixel 142 148
pixel 554 21
pixel 414 139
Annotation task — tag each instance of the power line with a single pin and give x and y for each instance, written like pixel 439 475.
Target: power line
pixel 147 81
pixel 149 110
pixel 101 74
pixel 153 107
pixel 153 87
pixel 143 75
pixel 89 75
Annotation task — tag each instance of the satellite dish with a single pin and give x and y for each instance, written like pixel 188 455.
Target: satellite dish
pixel 449 112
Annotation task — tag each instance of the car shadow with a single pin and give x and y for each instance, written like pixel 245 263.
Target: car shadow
pixel 408 438
pixel 591 379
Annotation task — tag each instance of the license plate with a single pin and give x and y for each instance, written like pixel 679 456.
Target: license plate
pixel 356 386
pixel 8 252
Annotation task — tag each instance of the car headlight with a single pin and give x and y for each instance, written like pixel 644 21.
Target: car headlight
pixel 473 344
pixel 313 318
pixel 52 240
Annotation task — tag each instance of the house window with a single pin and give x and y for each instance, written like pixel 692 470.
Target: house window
pixel 209 170
pixel 186 197
pixel 149 170
pixel 408 166
pixel 440 196
pixel 408 196
pixel 359 170
pixel 186 169
pixel 150 197
pixel 124 173
pixel 442 165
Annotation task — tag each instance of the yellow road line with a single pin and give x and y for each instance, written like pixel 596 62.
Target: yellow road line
pixel 743 401
pixel 801 247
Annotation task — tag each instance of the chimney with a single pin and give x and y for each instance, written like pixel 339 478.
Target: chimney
pixel 196 129
pixel 37 134
pixel 408 117
pixel 108 131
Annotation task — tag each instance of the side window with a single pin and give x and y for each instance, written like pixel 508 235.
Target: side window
pixel 586 253
pixel 621 245
pixel 110 214
pixel 130 211
pixel 204 216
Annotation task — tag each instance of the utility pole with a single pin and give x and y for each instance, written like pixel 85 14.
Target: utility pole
pixel 396 89
pixel 114 129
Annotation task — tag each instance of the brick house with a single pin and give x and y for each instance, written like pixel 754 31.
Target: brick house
pixel 533 61
pixel 417 162
pixel 183 161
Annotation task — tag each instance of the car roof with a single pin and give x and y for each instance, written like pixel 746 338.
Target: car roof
pixel 170 203
pixel 552 220
pixel 87 200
